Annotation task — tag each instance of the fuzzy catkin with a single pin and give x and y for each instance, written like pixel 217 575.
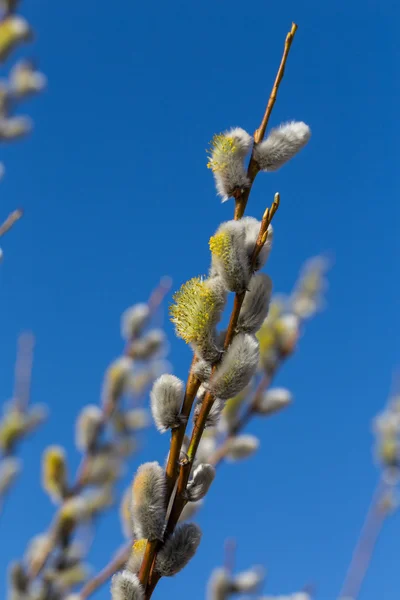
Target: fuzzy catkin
pixel 229 257
pixel 282 144
pixel 133 320
pixel 256 304
pixel 178 549
pixel 227 154
pixel 198 487
pixel 242 446
pixel 126 586
pixel 88 427
pixel 236 368
pixel 148 502
pixel 166 399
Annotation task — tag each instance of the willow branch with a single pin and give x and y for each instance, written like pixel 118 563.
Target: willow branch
pixel 104 575
pixel 365 545
pixel 242 199
pixel 10 221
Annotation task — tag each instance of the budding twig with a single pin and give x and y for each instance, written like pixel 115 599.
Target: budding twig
pixel 10 221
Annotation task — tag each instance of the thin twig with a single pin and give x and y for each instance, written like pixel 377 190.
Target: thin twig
pixel 10 221
pixel 241 200
pixel 100 579
pixel 23 371
pixel 365 545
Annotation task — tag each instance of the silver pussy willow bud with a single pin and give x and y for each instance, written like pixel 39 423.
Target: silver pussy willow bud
pixel 252 229
pixel 242 447
pixel 166 400
pixel 198 487
pixel 219 585
pixel 202 370
pixel 133 320
pixel 282 144
pixel 229 256
pixel 249 581
pixel 256 304
pixel 273 401
pixel 236 368
pixel 147 346
pixel 148 502
pixel 117 379
pixel 126 586
pixel 190 510
pixel 227 153
pixel 213 416
pixel 178 550
pixel 88 426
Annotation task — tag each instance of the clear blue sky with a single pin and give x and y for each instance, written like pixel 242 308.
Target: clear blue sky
pixel 117 193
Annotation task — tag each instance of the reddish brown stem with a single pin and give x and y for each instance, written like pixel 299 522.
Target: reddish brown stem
pixel 10 221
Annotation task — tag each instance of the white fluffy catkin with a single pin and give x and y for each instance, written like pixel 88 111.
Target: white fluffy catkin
pixel 219 586
pixel 248 581
pixel 126 586
pixel 166 399
pixel 229 255
pixel 236 368
pixel 256 304
pixel 273 401
pixel 133 320
pixel 282 144
pixel 147 346
pixel 228 151
pixel 178 549
pixel 198 487
pixel 252 229
pixel 88 426
pixel 242 446
pixel 148 502
pixel 213 416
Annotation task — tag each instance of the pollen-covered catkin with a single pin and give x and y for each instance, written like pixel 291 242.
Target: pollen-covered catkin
pixel 256 304
pixel 13 30
pixel 136 556
pixel 88 427
pixel 236 368
pixel 229 256
pixel 166 400
pixel 196 311
pixel 227 153
pixel 198 487
pixel 178 549
pixel 148 502
pixel 282 144
pixel 126 586
pixel 54 472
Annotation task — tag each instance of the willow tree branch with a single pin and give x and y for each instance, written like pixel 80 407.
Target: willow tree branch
pixel 104 575
pixel 365 545
pixel 253 169
pixel 10 221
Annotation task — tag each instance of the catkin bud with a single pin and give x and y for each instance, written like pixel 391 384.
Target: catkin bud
pixel 287 330
pixel 25 80
pixel 197 310
pixel 198 487
pixel 126 586
pixel 13 31
pixel 229 256
pixel 219 586
pixel 227 153
pixel 117 379
pixel 202 370
pixel 252 229
pixel 148 502
pixel 54 472
pixel 14 128
pixel 189 511
pixel 147 346
pixel 282 144
pixel 236 368
pixel 133 320
pixel 213 416
pixel 178 550
pixel 273 401
pixel 137 418
pixel 136 556
pixel 9 469
pixel 88 427
pixel 248 581
pixel 256 304
pixel 166 399
pixel 242 446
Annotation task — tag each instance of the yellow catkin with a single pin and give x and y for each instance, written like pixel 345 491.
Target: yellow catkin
pixel 54 470
pixel 220 246
pixel 222 147
pixel 194 310
pixel 139 546
pixel 389 451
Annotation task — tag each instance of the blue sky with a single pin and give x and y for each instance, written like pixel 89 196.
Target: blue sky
pixel 117 193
